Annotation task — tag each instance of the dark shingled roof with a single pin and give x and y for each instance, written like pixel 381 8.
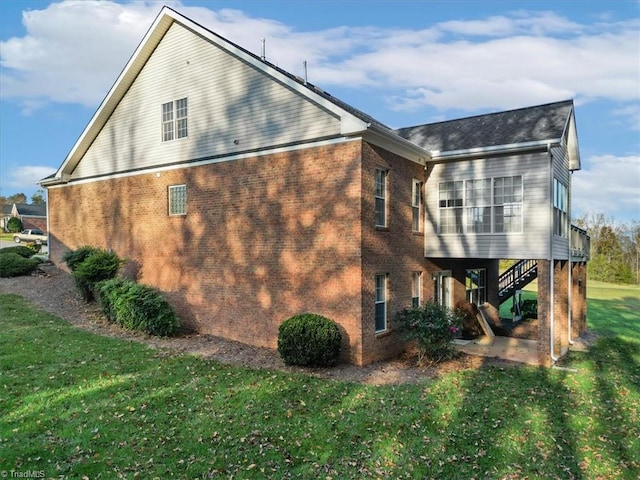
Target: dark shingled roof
pixel 539 123
pixel 32 210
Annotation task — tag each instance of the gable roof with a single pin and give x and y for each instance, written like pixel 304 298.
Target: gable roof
pixel 31 210
pixel 537 126
pixel 353 122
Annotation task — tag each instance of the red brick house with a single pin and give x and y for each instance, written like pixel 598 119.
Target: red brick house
pixel 248 195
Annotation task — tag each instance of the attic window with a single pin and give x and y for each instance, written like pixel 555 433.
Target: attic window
pixel 174 120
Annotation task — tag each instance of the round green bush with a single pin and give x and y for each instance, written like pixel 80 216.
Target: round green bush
pixel 13 265
pixel 309 340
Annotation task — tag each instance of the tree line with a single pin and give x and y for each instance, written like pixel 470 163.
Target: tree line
pixel 615 248
pixel 37 198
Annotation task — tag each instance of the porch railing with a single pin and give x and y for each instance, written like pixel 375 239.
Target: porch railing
pixel 580 244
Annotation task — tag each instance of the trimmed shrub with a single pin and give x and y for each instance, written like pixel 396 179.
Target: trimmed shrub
pixel 14 225
pixel 73 258
pixel 98 266
pixel 25 251
pixel 13 265
pixel 106 293
pixel 137 307
pixel 309 340
pixel 434 327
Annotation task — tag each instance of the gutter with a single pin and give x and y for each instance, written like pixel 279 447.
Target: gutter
pixel 438 155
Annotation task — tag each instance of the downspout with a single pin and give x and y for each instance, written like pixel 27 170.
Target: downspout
pixel 48 229
pixel 554 359
pixel 570 286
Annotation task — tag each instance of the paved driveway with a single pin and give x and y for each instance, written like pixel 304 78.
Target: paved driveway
pixel 7 243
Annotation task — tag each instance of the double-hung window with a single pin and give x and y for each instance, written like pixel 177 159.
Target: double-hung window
pixel 560 208
pixel 450 201
pixel 381 302
pixel 177 200
pixel 416 288
pixel 507 199
pixel 174 120
pixel 478 203
pixel 380 195
pixel 476 286
pixel 416 204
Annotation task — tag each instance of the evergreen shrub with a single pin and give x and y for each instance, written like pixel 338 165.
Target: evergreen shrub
pixel 309 340
pixel 99 265
pixel 14 225
pixel 137 307
pixel 13 265
pixel 25 251
pixel 73 258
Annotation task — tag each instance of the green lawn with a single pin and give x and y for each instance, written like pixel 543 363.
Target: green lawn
pixel 76 405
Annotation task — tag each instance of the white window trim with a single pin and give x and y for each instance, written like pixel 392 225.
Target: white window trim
pixel 416 204
pixel 384 197
pixel 416 287
pixel 482 273
pixel 465 208
pixel 383 301
pixel 170 193
pixel 175 120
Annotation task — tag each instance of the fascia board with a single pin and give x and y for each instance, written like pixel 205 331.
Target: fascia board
pixel 396 144
pixel 440 156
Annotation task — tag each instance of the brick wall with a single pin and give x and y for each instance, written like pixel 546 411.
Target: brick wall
pixel 578 299
pixel 34 222
pixel 395 250
pixel 263 239
pixel 544 307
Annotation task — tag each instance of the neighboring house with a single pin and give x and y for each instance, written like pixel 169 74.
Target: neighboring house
pixel 248 195
pixel 31 216
pixel 5 215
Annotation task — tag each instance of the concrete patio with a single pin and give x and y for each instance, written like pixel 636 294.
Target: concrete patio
pixel 507 348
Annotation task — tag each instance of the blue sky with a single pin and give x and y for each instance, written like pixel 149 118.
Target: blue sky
pixel 403 62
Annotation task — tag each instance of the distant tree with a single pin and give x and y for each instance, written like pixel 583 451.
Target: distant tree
pixel 38 197
pixel 15 198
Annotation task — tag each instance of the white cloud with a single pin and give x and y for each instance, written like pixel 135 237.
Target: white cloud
pixel 505 61
pixel 608 184
pixel 26 176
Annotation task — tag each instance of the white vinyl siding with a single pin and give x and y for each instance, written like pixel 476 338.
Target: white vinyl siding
pixel 534 240
pixel 232 107
pixel 562 176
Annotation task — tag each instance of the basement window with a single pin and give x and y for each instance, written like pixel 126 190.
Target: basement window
pixel 177 200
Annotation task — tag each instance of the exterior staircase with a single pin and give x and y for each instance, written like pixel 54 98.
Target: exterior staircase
pixel 515 278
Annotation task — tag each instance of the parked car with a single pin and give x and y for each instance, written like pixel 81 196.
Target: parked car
pixel 31 235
